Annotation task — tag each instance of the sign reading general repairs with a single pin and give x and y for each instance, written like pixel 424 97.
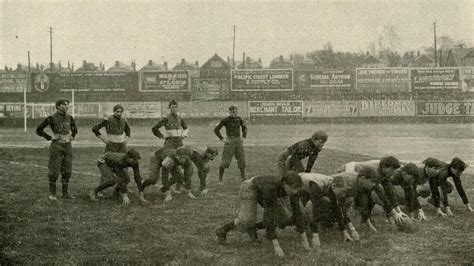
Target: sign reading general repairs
pixel 435 79
pixel 275 108
pixel 262 80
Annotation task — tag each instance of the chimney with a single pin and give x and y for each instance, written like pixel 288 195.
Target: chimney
pixel 116 63
pixel 260 60
pixel 72 67
pixel 243 61
pixel 166 65
pixel 440 57
pixel 247 59
pixel 84 63
pixel 37 66
pixel 59 66
pixel 6 67
pixel 18 66
pixel 197 63
pixel 150 62
pixel 291 57
pixel 367 53
pixel 418 53
pixel 281 58
pixel 134 66
pixel 68 64
pixel 183 62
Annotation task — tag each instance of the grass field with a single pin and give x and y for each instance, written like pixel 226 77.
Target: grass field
pixel 37 231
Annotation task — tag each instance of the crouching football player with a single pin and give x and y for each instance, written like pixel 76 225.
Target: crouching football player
pixel 384 188
pixel 266 191
pixel 321 190
pixel 454 170
pixel 113 169
pixel 201 161
pixel 169 160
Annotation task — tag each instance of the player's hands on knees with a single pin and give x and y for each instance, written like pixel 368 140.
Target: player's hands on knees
pixel 355 235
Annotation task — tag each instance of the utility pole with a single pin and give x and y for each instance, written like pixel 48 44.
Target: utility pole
pixel 435 50
pixel 51 48
pixel 233 51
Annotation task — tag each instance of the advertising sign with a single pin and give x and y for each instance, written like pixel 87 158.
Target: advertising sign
pixel 14 110
pixel 209 109
pixel 330 109
pixel 467 77
pixel 83 82
pixel 208 88
pixel 445 108
pixel 382 80
pixel 12 82
pixel 134 109
pixel 262 80
pixel 275 108
pixel 43 110
pixel 374 108
pixel 90 110
pixel 323 80
pixel 435 79
pixel 164 81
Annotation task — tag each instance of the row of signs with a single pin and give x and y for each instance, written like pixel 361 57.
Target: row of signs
pixel 380 80
pixel 255 109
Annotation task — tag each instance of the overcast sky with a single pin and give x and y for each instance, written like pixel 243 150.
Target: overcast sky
pixel 170 30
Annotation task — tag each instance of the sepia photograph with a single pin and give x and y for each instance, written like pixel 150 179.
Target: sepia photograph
pixel 215 132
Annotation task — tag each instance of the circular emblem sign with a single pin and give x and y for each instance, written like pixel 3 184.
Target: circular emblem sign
pixel 41 82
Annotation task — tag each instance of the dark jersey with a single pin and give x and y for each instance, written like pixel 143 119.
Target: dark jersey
pixel 232 127
pixel 60 124
pixel 301 150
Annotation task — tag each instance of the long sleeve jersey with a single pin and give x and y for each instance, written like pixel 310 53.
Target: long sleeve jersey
pixel 118 161
pixel 232 127
pixel 63 127
pixel 115 127
pixel 299 151
pixel 440 180
pixel 174 126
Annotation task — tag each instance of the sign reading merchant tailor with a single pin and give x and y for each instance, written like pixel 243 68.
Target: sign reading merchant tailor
pixel 323 80
pixel 382 80
pixel 435 79
pixel 164 81
pixel 445 108
pixel 262 80
pixel 14 82
pixel 275 108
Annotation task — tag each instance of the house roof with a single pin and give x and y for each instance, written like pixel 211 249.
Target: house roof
pixel 183 65
pixel 281 62
pixel 458 54
pixel 215 57
pixel 250 64
pixel 120 67
pixel 154 66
